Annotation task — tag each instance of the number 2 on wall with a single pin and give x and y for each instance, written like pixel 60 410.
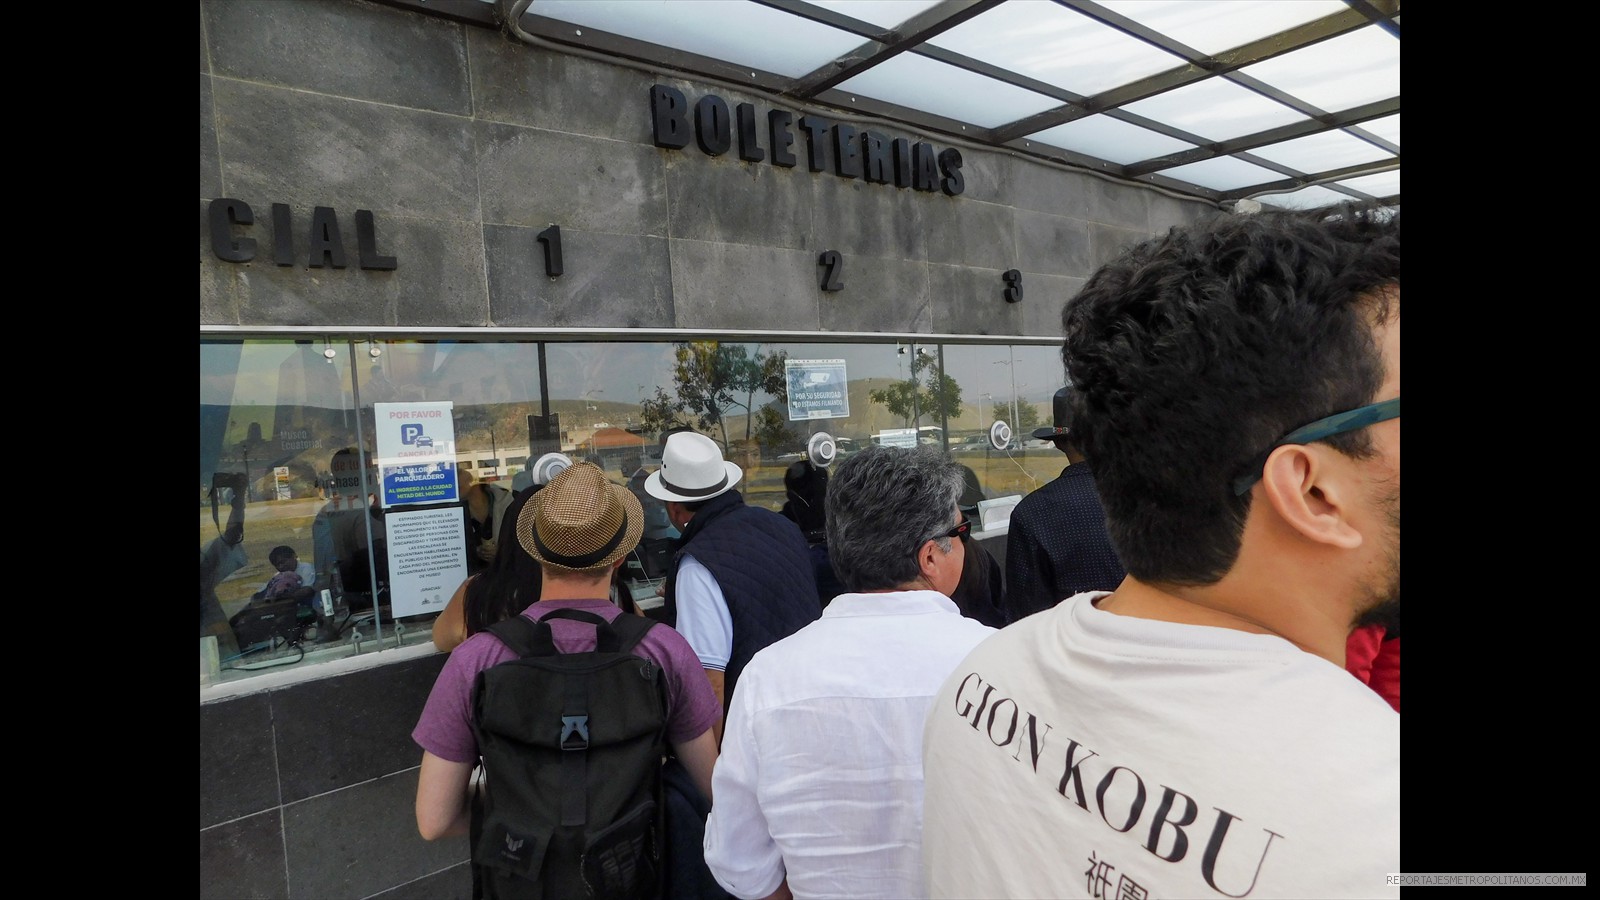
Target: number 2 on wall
pixel 833 266
pixel 551 239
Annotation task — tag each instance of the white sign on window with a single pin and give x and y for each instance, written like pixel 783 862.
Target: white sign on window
pixel 817 389
pixel 427 558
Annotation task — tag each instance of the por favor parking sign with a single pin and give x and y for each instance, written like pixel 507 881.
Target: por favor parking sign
pixel 416 452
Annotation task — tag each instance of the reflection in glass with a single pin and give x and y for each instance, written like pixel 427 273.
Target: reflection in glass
pixel 274 412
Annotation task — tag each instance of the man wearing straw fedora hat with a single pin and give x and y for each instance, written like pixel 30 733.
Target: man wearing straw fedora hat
pixel 580 528
pixel 742 577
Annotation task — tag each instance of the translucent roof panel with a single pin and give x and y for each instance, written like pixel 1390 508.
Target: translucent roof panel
pixel 1215 27
pixel 1383 184
pixel 1387 128
pixel 746 34
pixel 1216 109
pixel 1338 73
pixel 1049 42
pixel 1305 198
pixel 1106 138
pixel 918 82
pixel 1223 173
pixel 882 13
pixel 1322 152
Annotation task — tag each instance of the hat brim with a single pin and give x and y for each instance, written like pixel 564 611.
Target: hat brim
pixel 632 529
pixel 656 489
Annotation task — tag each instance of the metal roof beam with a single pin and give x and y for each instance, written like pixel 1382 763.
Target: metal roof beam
pixel 1354 116
pixel 919 28
pixel 1199 67
pixel 1294 184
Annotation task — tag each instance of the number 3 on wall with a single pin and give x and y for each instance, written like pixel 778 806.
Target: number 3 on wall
pixel 833 265
pixel 1013 280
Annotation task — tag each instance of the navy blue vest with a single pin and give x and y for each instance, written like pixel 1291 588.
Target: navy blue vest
pixel 761 562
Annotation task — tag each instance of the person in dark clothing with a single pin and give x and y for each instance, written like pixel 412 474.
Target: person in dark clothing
pixel 806 485
pixel 981 592
pixel 1058 545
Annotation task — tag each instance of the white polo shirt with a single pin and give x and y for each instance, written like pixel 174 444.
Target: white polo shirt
pixel 820 776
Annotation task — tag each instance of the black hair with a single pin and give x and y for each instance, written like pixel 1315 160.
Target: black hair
pixel 806 487
pixel 510 584
pixel 1193 353
pixel 280 552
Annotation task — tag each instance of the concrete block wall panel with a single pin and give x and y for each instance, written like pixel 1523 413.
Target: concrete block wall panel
pixel 308 791
pixel 362 840
pixel 535 177
pixel 519 84
pixel 238 765
pixel 610 279
pixel 454 883
pixel 243 859
pixel 726 285
pixel 1042 299
pixel 1106 241
pixel 210 165
pixel 889 295
pixel 720 199
pixel 990 177
pixel 334 733
pixel 348 49
pixel 971 300
pixel 961 232
pixel 303 149
pixel 219 302
pixel 1115 204
pixel 1051 245
pixel 869 221
pixel 442 283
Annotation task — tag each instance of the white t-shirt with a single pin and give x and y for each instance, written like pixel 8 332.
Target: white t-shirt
pixel 703 617
pixel 1079 753
pixel 820 776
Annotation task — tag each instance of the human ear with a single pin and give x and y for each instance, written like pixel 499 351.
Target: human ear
pixel 1312 492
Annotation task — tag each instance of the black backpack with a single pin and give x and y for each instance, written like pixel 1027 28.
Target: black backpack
pixel 572 747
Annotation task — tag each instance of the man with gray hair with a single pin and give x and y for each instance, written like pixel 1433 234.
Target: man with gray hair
pixel 819 786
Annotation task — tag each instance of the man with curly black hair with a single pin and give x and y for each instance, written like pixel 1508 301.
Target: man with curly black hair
pixel 1194 733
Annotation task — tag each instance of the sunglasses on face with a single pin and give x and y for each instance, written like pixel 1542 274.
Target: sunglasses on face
pixel 960 530
pixel 1322 429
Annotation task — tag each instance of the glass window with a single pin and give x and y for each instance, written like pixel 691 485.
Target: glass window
pixel 290 454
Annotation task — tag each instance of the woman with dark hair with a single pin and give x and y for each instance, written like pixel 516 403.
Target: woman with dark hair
pixel 508 586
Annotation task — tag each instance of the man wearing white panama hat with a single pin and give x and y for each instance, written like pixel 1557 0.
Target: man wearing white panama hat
pixel 741 577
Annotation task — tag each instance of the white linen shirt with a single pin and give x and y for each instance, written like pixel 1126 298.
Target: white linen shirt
pixel 820 776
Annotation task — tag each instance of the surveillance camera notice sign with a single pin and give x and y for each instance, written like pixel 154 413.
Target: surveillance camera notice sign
pixel 817 389
pixel 416 452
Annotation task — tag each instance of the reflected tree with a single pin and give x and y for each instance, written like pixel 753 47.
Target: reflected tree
pixel 713 380
pixel 928 392
pixel 660 413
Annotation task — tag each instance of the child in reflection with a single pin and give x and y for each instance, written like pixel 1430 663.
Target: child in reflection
pixel 293 579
